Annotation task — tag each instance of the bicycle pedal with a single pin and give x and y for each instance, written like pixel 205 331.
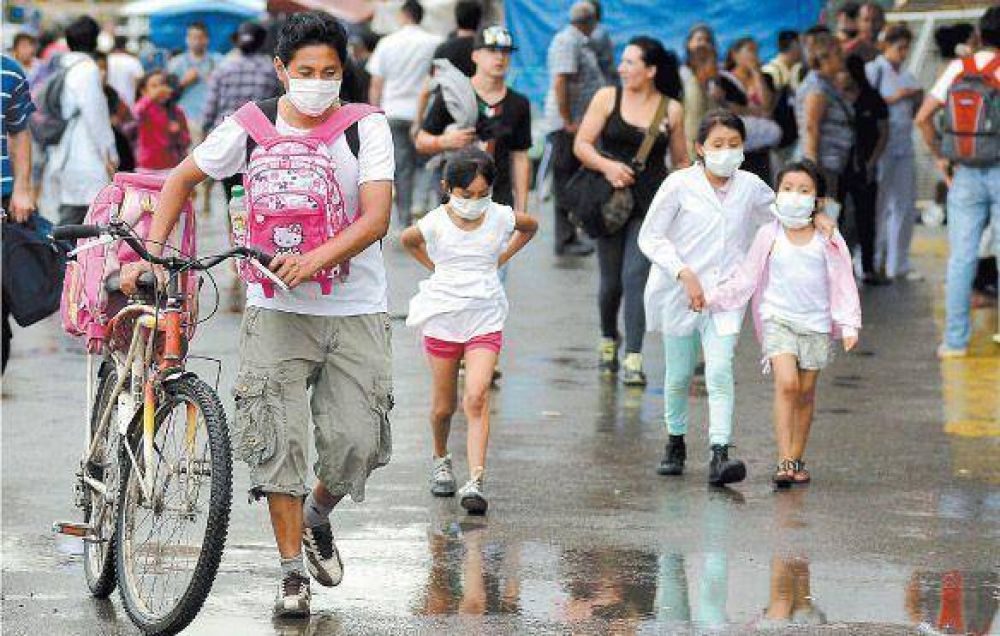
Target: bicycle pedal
pixel 74 529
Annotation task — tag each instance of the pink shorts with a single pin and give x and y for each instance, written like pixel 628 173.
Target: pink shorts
pixel 454 350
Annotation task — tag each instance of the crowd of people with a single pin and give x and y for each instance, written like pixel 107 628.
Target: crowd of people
pixel 727 181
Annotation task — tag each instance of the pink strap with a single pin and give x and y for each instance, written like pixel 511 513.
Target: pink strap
pixel 253 120
pixel 342 119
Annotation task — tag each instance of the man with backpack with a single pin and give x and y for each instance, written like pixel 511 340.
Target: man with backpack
pixel 318 353
pixel 967 152
pixel 74 125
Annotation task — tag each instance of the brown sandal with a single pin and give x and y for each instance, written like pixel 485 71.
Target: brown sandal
pixel 799 473
pixel 784 474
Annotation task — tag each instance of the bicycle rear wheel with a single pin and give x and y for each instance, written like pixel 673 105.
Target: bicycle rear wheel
pixel 170 543
pixel 99 509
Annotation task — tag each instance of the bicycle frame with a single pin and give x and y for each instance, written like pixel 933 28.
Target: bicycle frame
pixel 133 366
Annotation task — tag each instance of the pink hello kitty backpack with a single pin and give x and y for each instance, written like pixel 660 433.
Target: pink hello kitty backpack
pixel 87 305
pixel 293 200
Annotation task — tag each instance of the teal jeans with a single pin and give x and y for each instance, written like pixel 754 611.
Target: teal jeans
pixel 681 354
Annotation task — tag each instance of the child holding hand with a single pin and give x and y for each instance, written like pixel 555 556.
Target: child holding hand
pixel 804 296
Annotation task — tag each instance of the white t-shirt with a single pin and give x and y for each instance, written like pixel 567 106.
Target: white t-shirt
pixel 798 289
pixel 464 297
pixel 403 60
pixel 124 72
pixel 223 154
pixel 943 83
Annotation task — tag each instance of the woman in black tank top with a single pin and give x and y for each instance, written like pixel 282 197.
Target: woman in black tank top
pixel 608 140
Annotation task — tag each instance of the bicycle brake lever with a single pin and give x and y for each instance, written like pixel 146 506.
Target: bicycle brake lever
pixel 104 240
pixel 269 274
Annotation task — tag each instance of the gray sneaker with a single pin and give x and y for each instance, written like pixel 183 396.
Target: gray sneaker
pixel 293 597
pixel 322 556
pixel 442 478
pixel 472 498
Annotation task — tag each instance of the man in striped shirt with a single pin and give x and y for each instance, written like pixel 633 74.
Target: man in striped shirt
pixel 15 144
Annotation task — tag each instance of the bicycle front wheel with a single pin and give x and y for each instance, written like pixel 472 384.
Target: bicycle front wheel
pixel 174 513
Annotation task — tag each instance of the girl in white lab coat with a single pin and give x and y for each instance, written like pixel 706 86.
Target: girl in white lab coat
pixel 698 230
pixel 462 307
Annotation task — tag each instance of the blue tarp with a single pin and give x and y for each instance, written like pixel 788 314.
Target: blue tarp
pixel 168 28
pixel 533 24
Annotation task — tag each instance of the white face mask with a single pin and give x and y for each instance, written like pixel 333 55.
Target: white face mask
pixel 312 97
pixel 723 163
pixel 469 209
pixel 794 209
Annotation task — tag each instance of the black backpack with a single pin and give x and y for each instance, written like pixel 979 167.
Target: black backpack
pixel 33 267
pixel 47 123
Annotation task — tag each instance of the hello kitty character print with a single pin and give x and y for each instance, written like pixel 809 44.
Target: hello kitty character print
pixel 294 201
pixel 287 239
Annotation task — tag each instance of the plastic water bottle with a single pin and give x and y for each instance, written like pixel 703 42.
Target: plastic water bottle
pixel 238 216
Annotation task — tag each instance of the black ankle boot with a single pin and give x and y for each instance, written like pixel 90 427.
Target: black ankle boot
pixel 673 457
pixel 722 470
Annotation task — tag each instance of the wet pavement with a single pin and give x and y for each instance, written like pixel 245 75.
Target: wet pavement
pixel 899 533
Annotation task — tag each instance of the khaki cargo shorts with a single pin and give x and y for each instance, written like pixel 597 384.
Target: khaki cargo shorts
pixel 332 372
pixel 814 350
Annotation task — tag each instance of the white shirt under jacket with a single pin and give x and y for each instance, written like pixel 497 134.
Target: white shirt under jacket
pixel 689 226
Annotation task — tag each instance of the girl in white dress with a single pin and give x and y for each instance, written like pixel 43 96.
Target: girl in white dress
pixel 462 307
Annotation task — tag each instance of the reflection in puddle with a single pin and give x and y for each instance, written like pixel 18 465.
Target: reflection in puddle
pixel 954 602
pixel 791 601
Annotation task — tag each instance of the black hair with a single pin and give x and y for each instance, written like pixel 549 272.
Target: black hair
pixel 850 9
pixel 462 169
pixel 468 14
pixel 255 34
pixel 786 39
pixel 21 37
pixel 307 29
pixel 667 79
pixel 121 42
pixel 413 9
pixel 199 26
pixel 989 26
pixel 370 40
pixel 735 48
pixel 808 167
pixel 720 117
pixel 949 36
pixel 816 29
pixel 81 34
pixel 855 65
pixel 897 33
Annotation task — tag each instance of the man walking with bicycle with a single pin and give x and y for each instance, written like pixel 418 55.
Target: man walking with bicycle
pixel 308 352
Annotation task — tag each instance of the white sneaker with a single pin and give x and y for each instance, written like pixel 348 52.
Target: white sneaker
pixel 293 597
pixel 471 496
pixel 946 353
pixel 322 555
pixel 442 479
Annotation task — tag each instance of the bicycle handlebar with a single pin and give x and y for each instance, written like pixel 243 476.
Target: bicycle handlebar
pixel 124 232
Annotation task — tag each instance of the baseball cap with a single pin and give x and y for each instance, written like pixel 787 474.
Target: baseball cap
pixel 495 37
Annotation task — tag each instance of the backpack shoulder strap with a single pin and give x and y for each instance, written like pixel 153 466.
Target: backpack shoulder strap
pixel 991 68
pixel 969 66
pixel 258 119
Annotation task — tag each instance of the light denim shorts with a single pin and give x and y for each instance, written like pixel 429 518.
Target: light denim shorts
pixel 813 350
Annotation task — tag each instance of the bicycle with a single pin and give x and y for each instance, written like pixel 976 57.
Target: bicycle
pixel 155 479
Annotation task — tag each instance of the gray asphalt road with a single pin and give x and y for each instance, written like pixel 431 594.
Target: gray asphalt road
pixel 898 534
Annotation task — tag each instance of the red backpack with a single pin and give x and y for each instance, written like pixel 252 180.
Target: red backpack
pixel 971 132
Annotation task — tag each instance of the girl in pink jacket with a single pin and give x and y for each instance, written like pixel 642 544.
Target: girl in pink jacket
pixel 804 296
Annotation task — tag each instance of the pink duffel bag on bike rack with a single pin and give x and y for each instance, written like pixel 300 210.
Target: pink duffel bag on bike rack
pixel 86 304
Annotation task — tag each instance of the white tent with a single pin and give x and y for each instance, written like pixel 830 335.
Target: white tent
pixel 148 7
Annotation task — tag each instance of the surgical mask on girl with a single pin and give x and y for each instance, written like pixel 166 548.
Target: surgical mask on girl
pixel 312 97
pixel 794 209
pixel 723 163
pixel 469 209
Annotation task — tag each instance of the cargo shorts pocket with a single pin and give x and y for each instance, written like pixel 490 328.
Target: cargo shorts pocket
pixel 255 428
pixel 382 404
